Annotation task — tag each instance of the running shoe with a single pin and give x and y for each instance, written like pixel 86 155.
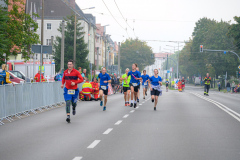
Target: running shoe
pixel 126 104
pixel 143 97
pixel 101 103
pixel 104 108
pixel 138 100
pixel 152 100
pixel 131 105
pixel 68 120
pixel 155 109
pixel 135 105
pixel 207 95
pixel 146 93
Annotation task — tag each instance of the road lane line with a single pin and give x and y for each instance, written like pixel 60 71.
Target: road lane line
pixel 137 107
pixel 118 122
pixel 94 144
pixel 77 158
pixel 221 106
pixel 126 116
pixel 108 131
pixel 132 111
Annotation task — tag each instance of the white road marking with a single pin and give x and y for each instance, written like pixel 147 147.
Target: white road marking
pixel 137 107
pixel 118 122
pixel 132 111
pixel 94 144
pixel 140 104
pixel 221 106
pixel 108 131
pixel 77 158
pixel 126 116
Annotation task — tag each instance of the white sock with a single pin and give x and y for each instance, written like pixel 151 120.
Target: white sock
pixel 135 101
pixel 131 101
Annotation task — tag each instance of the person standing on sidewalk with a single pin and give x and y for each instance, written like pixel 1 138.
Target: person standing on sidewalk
pixel 233 86
pixel 71 77
pixel 5 76
pixel 219 86
pixel 207 83
pixel 228 86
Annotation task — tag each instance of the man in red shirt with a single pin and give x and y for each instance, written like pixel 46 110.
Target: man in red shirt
pixel 71 77
pixel 37 77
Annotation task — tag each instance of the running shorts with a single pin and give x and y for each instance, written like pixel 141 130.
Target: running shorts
pixel 125 89
pixel 155 92
pixel 105 91
pixel 70 95
pixel 135 87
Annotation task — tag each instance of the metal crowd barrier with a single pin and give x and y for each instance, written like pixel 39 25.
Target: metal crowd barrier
pixel 29 97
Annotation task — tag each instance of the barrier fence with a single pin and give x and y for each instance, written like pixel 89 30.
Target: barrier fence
pixel 29 97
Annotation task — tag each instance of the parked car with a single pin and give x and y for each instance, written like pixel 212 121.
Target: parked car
pixel 19 74
pixel 15 79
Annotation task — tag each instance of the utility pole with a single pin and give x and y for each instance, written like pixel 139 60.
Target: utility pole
pixel 62 45
pixel 119 56
pixel 74 41
pixel 41 55
pixel 167 67
pixel 106 51
pixel 51 57
pixel 178 62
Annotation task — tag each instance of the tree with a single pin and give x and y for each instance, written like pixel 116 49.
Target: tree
pixel 135 51
pixel 212 35
pixel 81 46
pixel 18 29
pixel 234 31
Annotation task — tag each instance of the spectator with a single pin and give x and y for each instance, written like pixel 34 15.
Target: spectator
pixel 233 86
pixel 4 76
pixel 219 86
pixel 80 69
pixel 37 77
pixel 84 74
pixel 228 86
pixel 59 76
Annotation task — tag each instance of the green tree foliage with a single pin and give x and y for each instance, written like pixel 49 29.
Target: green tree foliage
pixel 18 30
pixel 212 35
pixel 135 51
pixel 234 31
pixel 81 46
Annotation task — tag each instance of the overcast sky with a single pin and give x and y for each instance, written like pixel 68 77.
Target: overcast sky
pixel 165 20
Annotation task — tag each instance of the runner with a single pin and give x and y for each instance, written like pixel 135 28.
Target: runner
pixel 155 87
pixel 145 78
pixel 134 83
pixel 138 96
pixel 104 79
pixel 183 83
pixel 72 77
pixel 167 83
pixel 126 88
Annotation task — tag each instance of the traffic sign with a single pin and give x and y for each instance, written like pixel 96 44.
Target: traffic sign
pixel 45 49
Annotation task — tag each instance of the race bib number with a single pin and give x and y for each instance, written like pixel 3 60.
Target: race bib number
pixel 183 82
pixel 104 87
pixel 71 91
pixel 145 83
pixel 135 84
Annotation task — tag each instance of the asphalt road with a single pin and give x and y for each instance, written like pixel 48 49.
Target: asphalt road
pixel 186 126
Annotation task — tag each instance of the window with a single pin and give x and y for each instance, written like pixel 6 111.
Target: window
pixel 48 42
pixel 49 26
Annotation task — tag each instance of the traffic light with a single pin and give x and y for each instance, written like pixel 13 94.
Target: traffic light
pixel 201 48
